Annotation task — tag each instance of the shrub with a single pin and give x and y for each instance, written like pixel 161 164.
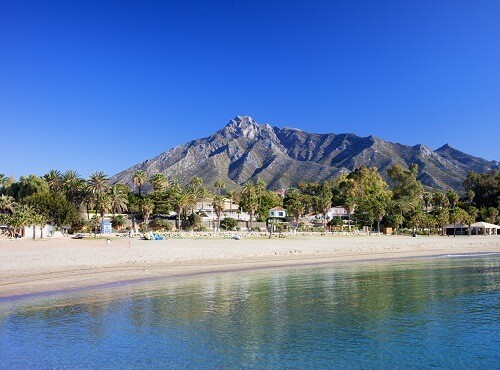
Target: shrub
pixel 161 224
pixel 117 222
pixel 228 223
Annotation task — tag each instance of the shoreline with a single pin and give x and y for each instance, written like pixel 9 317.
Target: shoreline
pixel 34 268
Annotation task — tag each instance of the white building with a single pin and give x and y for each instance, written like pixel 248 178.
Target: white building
pixel 277 212
pixel 337 212
pixel 231 210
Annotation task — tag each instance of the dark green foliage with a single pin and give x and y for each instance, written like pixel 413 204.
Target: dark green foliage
pixel 118 222
pixel 228 223
pixel 485 188
pixel 191 222
pixel 54 207
pixel 161 224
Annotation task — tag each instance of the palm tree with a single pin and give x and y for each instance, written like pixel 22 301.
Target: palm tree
pixel 54 180
pixel 426 196
pixel 250 200
pixel 7 203
pixel 118 200
pixel 260 187
pixel 219 185
pixel 139 180
pixel 175 197
pixel 158 181
pixel 98 185
pixel 72 185
pixel 3 180
pixel 230 194
pixel 470 196
pixel 147 207
pixel 196 182
pixel 218 204
pixel 204 193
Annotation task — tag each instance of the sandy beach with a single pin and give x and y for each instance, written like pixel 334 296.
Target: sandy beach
pixel 29 267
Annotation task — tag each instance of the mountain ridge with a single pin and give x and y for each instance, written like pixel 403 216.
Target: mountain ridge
pixel 245 150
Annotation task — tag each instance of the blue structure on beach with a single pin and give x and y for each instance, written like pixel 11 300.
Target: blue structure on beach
pixel 106 227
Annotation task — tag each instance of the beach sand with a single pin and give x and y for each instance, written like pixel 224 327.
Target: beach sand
pixel 28 267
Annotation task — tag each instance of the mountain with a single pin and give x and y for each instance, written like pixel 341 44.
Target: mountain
pixel 245 150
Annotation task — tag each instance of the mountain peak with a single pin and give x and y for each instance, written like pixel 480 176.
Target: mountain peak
pixel 240 121
pixel 246 127
pixel 445 146
pixel 246 151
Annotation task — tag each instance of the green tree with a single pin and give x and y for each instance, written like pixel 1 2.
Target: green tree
pixel 159 182
pixel 54 180
pixel 294 204
pixel 228 223
pixel 147 207
pixel 407 191
pixel 249 201
pixel 219 185
pixel 260 188
pixel 97 186
pixel 218 205
pixel 118 199
pixel 139 180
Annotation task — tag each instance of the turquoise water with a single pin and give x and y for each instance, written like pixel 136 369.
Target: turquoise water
pixel 419 313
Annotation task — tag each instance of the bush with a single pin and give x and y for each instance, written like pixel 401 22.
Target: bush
pixel 192 222
pixel 117 222
pixel 78 225
pixel 161 224
pixel 228 223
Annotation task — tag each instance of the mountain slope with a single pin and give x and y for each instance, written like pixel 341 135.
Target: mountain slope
pixel 245 150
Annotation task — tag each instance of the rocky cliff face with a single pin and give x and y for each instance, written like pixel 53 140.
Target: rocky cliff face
pixel 245 150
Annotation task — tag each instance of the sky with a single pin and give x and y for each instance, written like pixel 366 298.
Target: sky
pixel 102 85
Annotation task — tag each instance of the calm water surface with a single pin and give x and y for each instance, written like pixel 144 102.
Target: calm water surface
pixel 421 313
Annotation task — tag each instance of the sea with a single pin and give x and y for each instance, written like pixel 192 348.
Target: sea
pixel 441 312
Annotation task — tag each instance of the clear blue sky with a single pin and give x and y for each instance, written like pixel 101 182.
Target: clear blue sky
pixel 102 85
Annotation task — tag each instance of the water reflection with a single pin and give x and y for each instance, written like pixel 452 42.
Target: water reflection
pixel 357 315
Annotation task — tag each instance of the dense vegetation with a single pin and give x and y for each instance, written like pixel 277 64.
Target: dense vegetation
pixel 65 200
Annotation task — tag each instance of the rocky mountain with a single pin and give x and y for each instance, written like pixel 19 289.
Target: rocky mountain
pixel 245 150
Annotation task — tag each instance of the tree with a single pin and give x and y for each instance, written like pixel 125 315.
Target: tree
pixel 335 222
pixel 249 200
pixel 324 201
pixel 407 191
pixel 260 187
pixel 294 204
pixel 54 208
pixel 371 194
pixel 3 180
pixel 219 185
pixel 118 199
pixel 442 217
pixel 28 186
pixel 228 223
pixel 54 180
pixel 230 195
pixel 427 197
pixel 98 185
pixel 73 187
pixel 218 205
pixel 159 182
pixel 452 198
pixel 486 188
pixel 139 180
pixel 348 197
pixel 147 207
pixel 457 215
pixel 117 222
pixel 7 204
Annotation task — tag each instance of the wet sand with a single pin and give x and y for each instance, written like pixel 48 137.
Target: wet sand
pixel 29 267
